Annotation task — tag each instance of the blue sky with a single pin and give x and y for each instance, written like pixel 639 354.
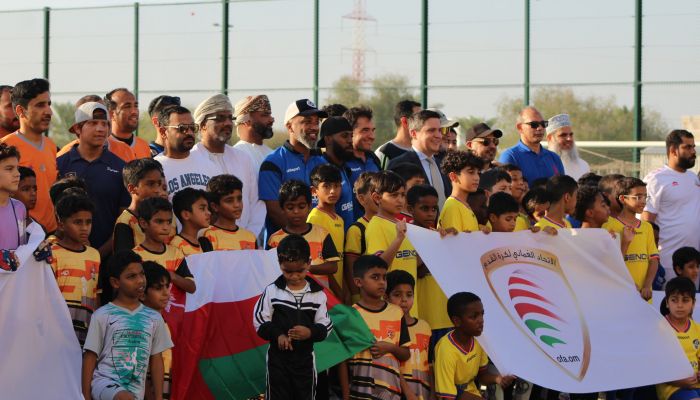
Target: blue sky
pixel 471 43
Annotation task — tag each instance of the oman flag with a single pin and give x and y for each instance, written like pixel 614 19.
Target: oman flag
pixel 217 353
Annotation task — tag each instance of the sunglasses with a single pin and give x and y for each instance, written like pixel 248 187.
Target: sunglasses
pixel 184 128
pixel 487 141
pixel 537 124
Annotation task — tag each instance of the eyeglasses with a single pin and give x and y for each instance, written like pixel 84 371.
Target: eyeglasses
pixel 184 128
pixel 221 118
pixel 165 101
pixel 487 141
pixel 639 197
pixel 537 124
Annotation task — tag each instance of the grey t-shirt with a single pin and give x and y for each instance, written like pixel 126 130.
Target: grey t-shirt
pixel 124 341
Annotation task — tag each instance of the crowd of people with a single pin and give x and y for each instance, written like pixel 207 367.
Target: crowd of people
pixel 121 215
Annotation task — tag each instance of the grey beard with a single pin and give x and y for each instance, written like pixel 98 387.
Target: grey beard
pixel 305 141
pixel 566 155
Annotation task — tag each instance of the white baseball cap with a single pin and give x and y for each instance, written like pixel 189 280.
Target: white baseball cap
pixel 86 112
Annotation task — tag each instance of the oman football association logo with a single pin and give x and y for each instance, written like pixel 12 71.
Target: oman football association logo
pixel 533 291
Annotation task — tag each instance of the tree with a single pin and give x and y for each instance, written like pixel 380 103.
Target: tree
pixel 62 119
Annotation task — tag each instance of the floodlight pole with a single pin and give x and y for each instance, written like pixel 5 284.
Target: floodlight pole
pixel 637 76
pixel 224 47
pixel 424 54
pixel 526 82
pixel 316 49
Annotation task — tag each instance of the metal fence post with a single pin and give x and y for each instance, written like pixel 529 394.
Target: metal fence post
pixel 424 54
pixel 316 49
pixel 47 21
pixel 637 76
pixel 136 55
pixel 526 83
pixel 224 47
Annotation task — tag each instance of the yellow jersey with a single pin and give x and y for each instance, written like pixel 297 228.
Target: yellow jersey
pixel 457 214
pixel 689 339
pixel 416 371
pixel 545 221
pixel 521 223
pixel 456 367
pixel 225 239
pixel 641 250
pixel 188 248
pixel 355 241
pixel 171 259
pixel 128 233
pixel 335 225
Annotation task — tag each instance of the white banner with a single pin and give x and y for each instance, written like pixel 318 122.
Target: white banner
pixel 560 311
pixel 41 356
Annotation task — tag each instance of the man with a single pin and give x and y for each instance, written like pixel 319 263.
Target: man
pixel 673 198
pixel 31 101
pixel 214 117
pixel 124 116
pixel 293 160
pixel 100 169
pixel 446 125
pixel 401 143
pixel 337 138
pixel 253 119
pixel 483 142
pixel 535 161
pixel 182 169
pixel 426 137
pixel 363 159
pixel 154 108
pixel 561 141
pixel 8 119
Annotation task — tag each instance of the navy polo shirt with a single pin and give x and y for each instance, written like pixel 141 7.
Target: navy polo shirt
pixel 356 167
pixel 284 164
pixel 103 178
pixel 535 166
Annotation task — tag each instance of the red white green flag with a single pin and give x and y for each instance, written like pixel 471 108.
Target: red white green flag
pixel 218 354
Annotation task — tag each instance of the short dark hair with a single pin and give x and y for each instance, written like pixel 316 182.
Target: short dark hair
pixel 292 190
pixel 399 277
pixel 25 173
pixel 559 185
pixel 165 113
pixel 56 190
pixel 118 262
pixel 355 113
pixel 539 182
pixel 135 170
pixel 147 208
pixel 678 285
pixel 68 205
pixel 674 139
pixel 387 181
pixel 456 161
pixel 7 151
pixel 589 179
pixel 608 183
pixel 155 274
pixel 510 168
pixel 293 248
pixel 325 173
pixel 363 183
pixel 161 102
pixel 533 197
pixel 417 192
pixel 417 120
pixel 222 185
pixel 459 301
pixel 6 88
pixel 367 262
pixel 408 171
pixel 501 203
pixel 25 91
pixel 185 198
pixel 404 109
pixel 334 110
pixel 489 179
pixel 585 198
pixel 88 98
pixel 627 184
pixel 683 256
pixel 111 104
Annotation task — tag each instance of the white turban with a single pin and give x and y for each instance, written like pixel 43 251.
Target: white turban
pixel 211 105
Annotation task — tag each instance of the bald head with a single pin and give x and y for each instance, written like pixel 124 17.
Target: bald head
pixel 531 127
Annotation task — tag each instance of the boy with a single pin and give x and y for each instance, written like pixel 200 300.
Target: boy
pixel 155 216
pixel 76 265
pixel 226 202
pixel 535 203
pixel 685 263
pixel 326 186
pixel 641 255
pixel 375 372
pixel 459 358
pixel 591 207
pixel 295 201
pixel 143 178
pixel 561 192
pixel 498 181
pixel 156 297
pixel 463 168
pixel 13 214
pixel 125 338
pixel 191 208
pixel 355 241
pixel 422 201
pixel 609 184
pixel 413 175
pixel 517 187
pixel 503 212
pixel 26 191
pixel 292 330
pixel 415 372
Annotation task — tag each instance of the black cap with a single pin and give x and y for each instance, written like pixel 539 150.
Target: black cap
pixel 331 126
pixel 482 130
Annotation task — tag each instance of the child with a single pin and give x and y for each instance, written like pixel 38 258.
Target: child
pixel 478 202
pixel 591 207
pixel 191 208
pixel 459 358
pixel 115 363
pixel 463 168
pixel 13 214
pixel 76 265
pixel 226 202
pixel 422 204
pixel 561 191
pixel 517 187
pixel 375 372
pixel 503 212
pixel 641 254
pixel 155 216
pixel 678 307
pixel 415 372
pixel 295 201
pixel 26 191
pixel 413 175
pixel 326 186
pixel 535 203
pixel 498 181
pixel 685 263
pixel 609 184
pixel 355 241
pixel 143 178
pixel 385 234
pixel 156 297
pixel 291 329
